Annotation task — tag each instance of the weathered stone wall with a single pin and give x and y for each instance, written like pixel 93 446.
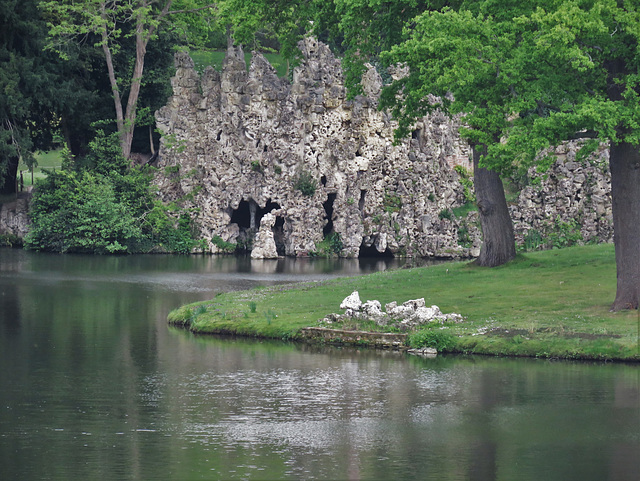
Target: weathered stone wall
pixel 572 195
pixel 14 219
pixel 238 142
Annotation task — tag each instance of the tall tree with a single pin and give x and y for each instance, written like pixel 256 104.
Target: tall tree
pixel 28 88
pixel 591 51
pixel 528 77
pixel 114 22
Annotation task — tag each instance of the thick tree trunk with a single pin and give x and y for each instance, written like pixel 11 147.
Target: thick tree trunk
pixel 624 162
pixel 498 240
pixel 9 184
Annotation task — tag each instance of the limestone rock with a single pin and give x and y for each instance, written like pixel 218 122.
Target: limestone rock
pixel 237 143
pixel 352 301
pixel 264 245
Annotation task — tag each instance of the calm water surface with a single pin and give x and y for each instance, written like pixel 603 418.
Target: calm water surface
pixel 94 385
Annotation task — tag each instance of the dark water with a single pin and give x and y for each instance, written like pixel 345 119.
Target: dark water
pixel 94 385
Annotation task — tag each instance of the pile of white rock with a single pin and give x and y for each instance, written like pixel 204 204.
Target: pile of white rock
pixel 408 316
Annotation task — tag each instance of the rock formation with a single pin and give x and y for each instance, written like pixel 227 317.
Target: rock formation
pixel 570 196
pixel 14 218
pixel 408 316
pixel 240 144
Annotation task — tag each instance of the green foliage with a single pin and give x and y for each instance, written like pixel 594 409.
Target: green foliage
pixel 463 210
pixel 255 166
pixel 564 234
pixel 439 339
pixel 391 203
pixel 445 214
pixel 80 212
pixel 464 239
pixel 224 246
pixel 466 180
pixel 253 306
pixel 556 235
pixel 306 184
pixel 98 205
pixel 331 245
pixel 533 241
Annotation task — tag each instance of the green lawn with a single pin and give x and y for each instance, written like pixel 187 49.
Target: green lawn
pixel 549 304
pixel 46 160
pixel 204 58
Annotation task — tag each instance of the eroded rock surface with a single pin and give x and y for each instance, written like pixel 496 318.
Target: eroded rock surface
pixel 244 142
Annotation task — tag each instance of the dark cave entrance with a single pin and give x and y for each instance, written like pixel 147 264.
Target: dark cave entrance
pixel 372 252
pixel 248 216
pixel 328 209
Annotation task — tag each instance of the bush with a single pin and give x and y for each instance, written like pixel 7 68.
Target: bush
pixel 80 212
pixel 100 205
pixel 306 184
pixel 437 338
pixel 466 180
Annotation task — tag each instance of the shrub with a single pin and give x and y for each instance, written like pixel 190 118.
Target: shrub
pixel 306 184
pixel 100 205
pixel 437 338
pixel 224 246
pixel 331 244
pixel 467 183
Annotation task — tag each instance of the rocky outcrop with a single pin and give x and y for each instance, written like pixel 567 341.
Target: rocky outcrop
pixel 242 143
pixel 569 202
pixel 408 316
pixel 14 218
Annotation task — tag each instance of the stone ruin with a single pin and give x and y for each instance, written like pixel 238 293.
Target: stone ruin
pixel 408 316
pixel 241 144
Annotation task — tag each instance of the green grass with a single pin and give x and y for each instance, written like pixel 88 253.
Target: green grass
pixel 546 304
pixel 46 160
pixel 204 58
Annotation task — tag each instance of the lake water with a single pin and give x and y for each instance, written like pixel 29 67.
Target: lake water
pixel 95 385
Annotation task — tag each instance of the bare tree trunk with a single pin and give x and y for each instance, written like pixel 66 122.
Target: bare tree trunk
pixel 498 240
pixel 134 93
pixel 115 90
pixel 624 162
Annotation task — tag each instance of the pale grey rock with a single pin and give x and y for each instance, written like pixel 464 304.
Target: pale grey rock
pixel 352 301
pixel 264 245
pixel 237 142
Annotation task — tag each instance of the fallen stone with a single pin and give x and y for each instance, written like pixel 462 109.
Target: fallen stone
pixel 352 302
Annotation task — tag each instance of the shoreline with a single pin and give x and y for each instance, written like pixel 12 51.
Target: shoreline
pixel 547 304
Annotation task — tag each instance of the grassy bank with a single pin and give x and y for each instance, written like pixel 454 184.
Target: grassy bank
pixel 549 304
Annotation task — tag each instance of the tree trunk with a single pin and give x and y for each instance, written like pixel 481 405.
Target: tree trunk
pixel 9 183
pixel 624 162
pixel 498 240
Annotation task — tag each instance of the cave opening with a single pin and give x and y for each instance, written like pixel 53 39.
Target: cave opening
pixel 244 215
pixel 248 214
pixel 278 235
pixel 372 252
pixel 328 209
pixel 363 195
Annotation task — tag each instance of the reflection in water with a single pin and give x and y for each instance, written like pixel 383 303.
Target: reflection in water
pixel 94 385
